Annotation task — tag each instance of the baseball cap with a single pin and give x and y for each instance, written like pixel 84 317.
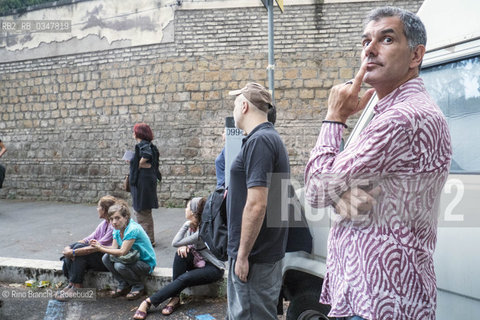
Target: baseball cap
pixel 257 94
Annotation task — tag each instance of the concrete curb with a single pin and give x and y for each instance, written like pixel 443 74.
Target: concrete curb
pixel 14 270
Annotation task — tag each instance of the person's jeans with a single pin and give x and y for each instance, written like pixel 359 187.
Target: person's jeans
pixel 74 270
pixel 258 297
pixel 186 275
pixel 127 274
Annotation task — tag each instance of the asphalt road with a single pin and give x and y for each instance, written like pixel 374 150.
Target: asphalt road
pixel 37 304
pixel 40 230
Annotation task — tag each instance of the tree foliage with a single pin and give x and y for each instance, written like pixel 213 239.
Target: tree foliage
pixel 6 6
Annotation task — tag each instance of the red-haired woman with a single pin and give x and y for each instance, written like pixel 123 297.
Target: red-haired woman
pixel 144 174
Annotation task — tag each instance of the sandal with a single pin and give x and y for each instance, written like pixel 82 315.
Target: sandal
pixel 168 309
pixel 61 293
pixel 141 315
pixel 66 295
pixel 119 292
pixel 133 295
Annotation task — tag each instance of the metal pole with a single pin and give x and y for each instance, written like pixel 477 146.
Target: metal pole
pixel 271 59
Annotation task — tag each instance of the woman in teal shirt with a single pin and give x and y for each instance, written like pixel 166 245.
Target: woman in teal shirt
pixel 128 235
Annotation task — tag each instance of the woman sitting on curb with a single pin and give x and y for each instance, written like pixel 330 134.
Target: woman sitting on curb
pixel 193 264
pixel 131 258
pixel 80 256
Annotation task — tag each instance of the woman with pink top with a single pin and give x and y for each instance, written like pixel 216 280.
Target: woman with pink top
pixel 80 256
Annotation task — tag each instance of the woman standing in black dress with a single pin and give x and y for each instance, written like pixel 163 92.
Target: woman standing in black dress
pixel 144 174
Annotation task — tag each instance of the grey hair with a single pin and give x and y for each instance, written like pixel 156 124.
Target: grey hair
pixel 194 204
pixel 120 206
pixel 413 27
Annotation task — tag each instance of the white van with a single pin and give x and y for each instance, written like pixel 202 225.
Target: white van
pixel 451 72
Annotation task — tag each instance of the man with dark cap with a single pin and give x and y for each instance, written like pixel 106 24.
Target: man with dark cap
pixel 255 243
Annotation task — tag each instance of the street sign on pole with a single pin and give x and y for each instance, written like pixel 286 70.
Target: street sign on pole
pixel 233 144
pixel 279 3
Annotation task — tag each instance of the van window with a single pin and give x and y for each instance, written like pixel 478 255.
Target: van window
pixel 455 86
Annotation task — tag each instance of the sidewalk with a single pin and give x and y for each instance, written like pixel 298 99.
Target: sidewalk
pixel 42 307
pixel 33 235
pixel 40 230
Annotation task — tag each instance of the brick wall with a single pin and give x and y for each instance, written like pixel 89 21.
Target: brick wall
pixel 67 120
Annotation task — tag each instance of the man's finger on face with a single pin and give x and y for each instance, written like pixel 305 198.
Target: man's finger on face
pixel 358 80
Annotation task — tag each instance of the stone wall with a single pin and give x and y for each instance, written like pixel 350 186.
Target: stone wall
pixel 67 120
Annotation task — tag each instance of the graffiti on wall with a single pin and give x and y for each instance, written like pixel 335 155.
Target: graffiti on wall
pixel 86 26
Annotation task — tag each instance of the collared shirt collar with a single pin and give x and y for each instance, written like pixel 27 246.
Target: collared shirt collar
pixel 261 126
pixel 399 94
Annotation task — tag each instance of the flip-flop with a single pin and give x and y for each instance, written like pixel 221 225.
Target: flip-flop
pixel 119 292
pixel 134 295
pixel 61 293
pixel 142 315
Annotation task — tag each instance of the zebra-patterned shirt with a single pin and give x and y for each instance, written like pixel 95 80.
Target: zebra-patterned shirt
pixel 380 267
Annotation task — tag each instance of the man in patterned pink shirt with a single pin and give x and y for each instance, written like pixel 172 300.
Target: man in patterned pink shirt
pixel 386 184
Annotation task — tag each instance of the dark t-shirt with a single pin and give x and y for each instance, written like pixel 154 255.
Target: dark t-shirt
pixel 262 162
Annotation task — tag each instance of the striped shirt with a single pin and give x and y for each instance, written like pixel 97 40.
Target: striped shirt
pixel 381 267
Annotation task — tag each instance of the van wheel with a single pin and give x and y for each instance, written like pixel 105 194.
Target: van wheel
pixel 305 306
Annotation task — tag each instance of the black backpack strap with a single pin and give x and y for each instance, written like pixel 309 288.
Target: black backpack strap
pixel 156 161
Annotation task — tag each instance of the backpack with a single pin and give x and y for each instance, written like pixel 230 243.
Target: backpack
pixel 156 162
pixel 213 228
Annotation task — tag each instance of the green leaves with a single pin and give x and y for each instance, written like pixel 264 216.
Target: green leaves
pixel 7 6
